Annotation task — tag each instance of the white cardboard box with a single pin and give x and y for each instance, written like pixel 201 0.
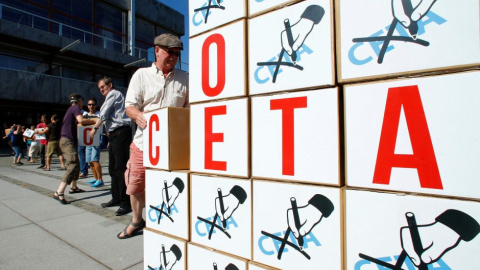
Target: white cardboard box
pixel 447 36
pixel 206 259
pixel 319 219
pixel 219 137
pixel 377 229
pixel 163 251
pixel 295 136
pixel 272 68
pixel 205 15
pixel 219 60
pixel 415 135
pixel 166 141
pixel 83 134
pixel 167 215
pixel 232 233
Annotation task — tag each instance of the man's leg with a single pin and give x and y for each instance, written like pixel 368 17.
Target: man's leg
pixel 83 163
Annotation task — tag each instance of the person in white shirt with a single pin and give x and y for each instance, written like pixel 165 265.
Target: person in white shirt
pixel 158 86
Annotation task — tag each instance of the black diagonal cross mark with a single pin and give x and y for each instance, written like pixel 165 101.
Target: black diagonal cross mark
pixel 208 7
pixel 160 212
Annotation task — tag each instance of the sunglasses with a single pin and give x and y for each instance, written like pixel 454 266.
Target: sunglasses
pixel 170 52
pixel 91 104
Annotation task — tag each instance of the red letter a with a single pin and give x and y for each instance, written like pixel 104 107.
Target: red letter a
pixel 423 158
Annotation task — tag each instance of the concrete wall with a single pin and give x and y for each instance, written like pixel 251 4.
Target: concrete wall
pixel 58 42
pixel 161 14
pixel 19 85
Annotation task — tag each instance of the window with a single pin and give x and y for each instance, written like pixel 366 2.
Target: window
pixel 81 9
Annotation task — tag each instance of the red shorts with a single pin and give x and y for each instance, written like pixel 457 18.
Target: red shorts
pixel 135 173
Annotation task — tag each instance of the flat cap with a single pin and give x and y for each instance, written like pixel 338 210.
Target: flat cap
pixel 169 41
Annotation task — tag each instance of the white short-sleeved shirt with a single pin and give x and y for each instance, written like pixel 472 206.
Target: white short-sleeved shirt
pixel 150 90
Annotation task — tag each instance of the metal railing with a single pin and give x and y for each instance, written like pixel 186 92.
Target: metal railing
pixel 42 23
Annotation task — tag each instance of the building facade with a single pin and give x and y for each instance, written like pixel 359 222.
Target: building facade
pixel 51 48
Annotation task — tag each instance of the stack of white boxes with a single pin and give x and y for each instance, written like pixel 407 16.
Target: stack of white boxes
pixel 323 135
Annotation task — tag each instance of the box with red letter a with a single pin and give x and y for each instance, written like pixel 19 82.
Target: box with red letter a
pixel 415 135
pixel 166 141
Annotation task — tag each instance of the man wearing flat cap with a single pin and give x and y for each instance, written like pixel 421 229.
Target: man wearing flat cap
pixel 155 87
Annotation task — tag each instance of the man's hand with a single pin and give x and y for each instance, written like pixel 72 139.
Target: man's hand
pixel 230 202
pixel 169 258
pixel 173 191
pixel 137 116
pixel 436 238
pixel 309 217
pixel 418 12
pixel 92 133
pixel 301 29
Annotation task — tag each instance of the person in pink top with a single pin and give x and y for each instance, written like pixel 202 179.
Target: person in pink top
pixel 43 143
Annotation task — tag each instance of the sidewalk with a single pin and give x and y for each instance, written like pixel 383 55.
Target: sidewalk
pixel 37 232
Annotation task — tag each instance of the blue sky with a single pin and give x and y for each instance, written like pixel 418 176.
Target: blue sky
pixel 182 7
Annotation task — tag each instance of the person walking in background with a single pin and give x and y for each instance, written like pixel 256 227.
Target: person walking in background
pixel 151 88
pixel 117 125
pixel 34 148
pixel 43 143
pixel 69 146
pixel 52 131
pixel 81 155
pixel 17 142
pixel 92 153
pixel 9 139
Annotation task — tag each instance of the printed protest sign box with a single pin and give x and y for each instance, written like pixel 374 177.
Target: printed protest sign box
pixel 291 48
pixel 28 133
pixel 207 14
pixel 166 141
pixel 221 214
pixel 162 252
pixel 201 258
pixel 166 202
pixel 219 138
pixel 281 211
pixel 257 6
pixel 296 136
pixel 218 57
pixel 415 135
pixel 83 134
pixel 256 266
pixel 378 38
pixel 40 136
pixel 384 231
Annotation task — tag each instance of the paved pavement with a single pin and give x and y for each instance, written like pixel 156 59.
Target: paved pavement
pixel 37 232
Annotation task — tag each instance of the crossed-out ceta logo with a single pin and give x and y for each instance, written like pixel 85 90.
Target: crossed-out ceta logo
pixel 156 213
pixel 223 220
pixel 301 220
pixel 408 26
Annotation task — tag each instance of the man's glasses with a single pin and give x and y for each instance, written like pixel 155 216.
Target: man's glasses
pixel 91 104
pixel 101 87
pixel 170 52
